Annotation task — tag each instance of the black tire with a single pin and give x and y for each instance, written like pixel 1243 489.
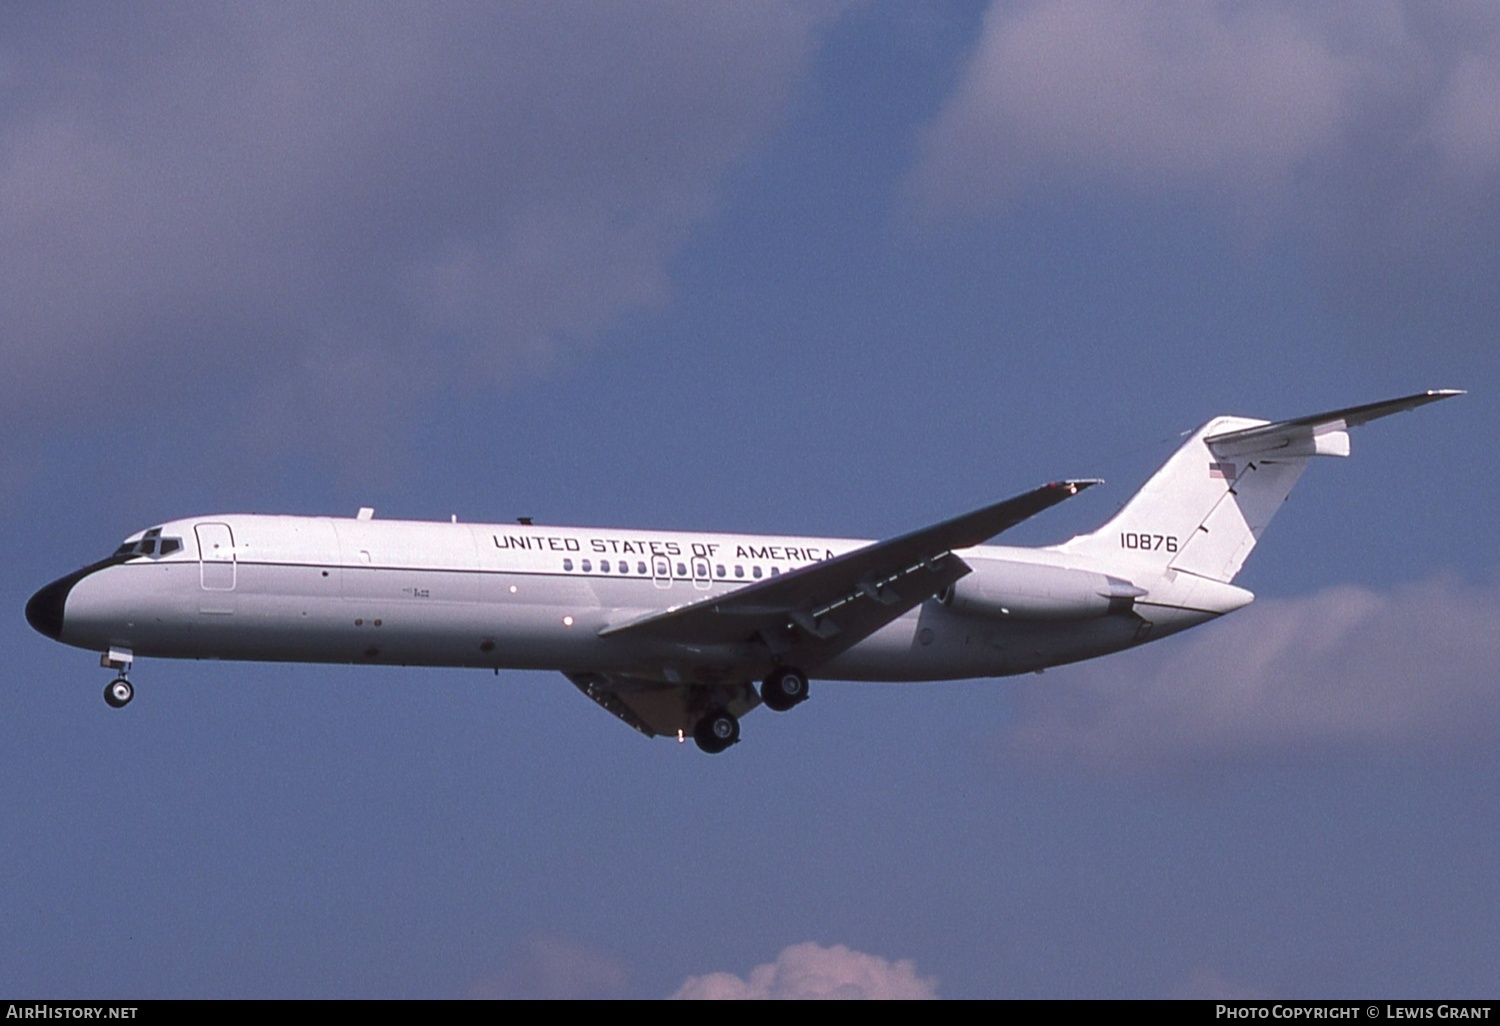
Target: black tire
pixel 784 688
pixel 118 693
pixel 717 731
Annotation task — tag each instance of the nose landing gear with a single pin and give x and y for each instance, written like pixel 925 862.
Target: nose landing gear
pixel 119 691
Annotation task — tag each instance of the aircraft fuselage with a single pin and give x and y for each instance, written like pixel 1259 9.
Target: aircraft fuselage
pixel 323 589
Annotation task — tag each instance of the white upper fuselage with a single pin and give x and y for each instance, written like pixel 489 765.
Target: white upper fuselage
pixel 322 589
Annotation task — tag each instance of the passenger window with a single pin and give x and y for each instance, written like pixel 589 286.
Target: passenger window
pixel 681 569
pixel 775 571
pixel 640 568
pixel 567 564
pixel 739 571
pixel 587 566
pixel 719 571
pixel 604 566
pixel 756 571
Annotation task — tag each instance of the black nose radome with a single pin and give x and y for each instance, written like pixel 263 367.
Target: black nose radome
pixel 45 610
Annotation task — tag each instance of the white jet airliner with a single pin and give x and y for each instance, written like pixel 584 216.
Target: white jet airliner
pixel 668 629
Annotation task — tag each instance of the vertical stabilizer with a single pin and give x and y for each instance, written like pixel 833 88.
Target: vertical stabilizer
pixel 1202 512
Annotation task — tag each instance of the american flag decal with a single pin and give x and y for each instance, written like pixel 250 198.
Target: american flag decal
pixel 1222 471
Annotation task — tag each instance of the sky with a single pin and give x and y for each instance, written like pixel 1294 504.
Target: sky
pixel 802 268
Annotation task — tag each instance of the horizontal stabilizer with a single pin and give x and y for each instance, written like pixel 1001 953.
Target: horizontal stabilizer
pixel 1321 434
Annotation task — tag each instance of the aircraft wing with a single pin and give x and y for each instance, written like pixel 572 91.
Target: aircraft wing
pixel 813 613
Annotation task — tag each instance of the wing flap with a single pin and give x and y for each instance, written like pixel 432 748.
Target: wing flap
pixel 825 632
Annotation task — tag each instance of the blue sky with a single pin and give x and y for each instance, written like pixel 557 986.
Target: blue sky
pixel 802 268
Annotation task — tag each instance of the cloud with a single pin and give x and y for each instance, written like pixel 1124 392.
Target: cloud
pixel 1409 669
pixel 809 971
pixel 552 968
pixel 1137 91
pixel 335 207
pixel 1238 97
pixel 1366 135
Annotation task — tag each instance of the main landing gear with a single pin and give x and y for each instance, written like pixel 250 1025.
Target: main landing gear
pixel 717 731
pixel 784 688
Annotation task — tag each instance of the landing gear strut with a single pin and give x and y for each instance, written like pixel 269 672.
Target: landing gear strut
pixel 784 688
pixel 717 731
pixel 119 693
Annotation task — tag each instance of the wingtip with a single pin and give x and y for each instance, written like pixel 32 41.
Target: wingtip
pixel 1075 486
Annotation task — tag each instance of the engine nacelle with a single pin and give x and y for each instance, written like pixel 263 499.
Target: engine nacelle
pixel 1031 591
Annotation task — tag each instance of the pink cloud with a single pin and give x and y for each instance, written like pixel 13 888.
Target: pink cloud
pixel 809 971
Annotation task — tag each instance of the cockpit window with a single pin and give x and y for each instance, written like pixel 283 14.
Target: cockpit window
pixel 150 544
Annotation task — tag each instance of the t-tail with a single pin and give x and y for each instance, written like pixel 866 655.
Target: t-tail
pixel 1205 509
